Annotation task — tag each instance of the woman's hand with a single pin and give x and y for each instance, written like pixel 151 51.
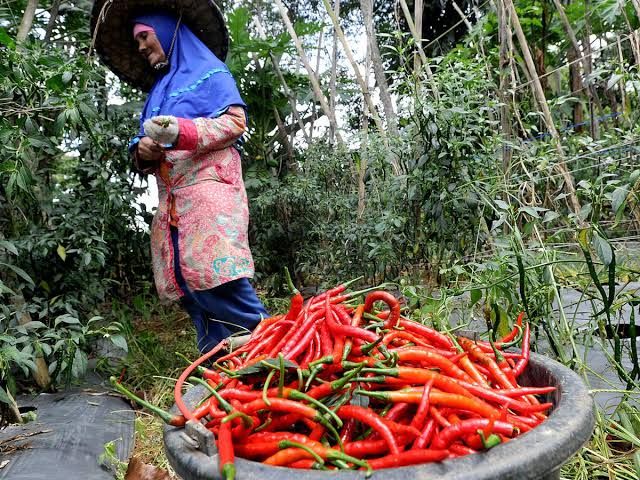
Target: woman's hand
pixel 150 151
pixel 164 129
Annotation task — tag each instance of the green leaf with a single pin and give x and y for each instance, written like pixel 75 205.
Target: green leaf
pixel 79 365
pixel 5 39
pixel 34 324
pixel 476 295
pixel 62 252
pixel 583 238
pixel 501 204
pixel 66 318
pixel 9 246
pixel 4 396
pixel 120 342
pixel 603 249
pixel 21 273
pixel 550 216
pixel 619 197
pixel 533 211
pixel 66 77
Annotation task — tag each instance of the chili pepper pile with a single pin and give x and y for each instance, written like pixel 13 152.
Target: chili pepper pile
pixel 333 384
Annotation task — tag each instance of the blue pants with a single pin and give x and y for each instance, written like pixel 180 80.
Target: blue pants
pixel 221 311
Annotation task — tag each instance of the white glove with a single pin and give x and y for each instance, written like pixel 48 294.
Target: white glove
pixel 163 129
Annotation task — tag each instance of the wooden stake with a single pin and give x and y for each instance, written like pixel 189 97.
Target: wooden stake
pixel 544 107
pixel 504 33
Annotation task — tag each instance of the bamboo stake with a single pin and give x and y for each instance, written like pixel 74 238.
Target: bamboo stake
pixel 418 11
pixel 315 84
pixel 621 85
pixel 334 70
pixel 287 91
pixel 593 97
pixel 378 67
pixel 504 33
pixel 418 41
pixel 544 106
pixel 27 20
pixel 356 69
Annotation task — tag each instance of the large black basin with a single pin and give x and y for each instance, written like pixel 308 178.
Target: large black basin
pixel 535 455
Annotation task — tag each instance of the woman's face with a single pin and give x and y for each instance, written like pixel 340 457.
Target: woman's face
pixel 150 48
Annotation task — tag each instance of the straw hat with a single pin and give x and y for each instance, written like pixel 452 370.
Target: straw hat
pixel 111 24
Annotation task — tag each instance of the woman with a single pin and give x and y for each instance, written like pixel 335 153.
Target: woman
pixel 190 123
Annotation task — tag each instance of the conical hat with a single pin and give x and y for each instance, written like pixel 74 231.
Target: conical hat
pixel 112 27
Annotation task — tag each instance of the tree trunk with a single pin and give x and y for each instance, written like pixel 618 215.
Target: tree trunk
pixel 27 20
pixel 364 152
pixel 313 106
pixel 356 70
pixel 287 91
pixel 334 70
pixel 544 107
pixel 53 16
pixel 315 84
pixel 378 66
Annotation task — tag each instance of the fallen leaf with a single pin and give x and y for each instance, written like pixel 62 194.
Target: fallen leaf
pixel 137 470
pixel 4 463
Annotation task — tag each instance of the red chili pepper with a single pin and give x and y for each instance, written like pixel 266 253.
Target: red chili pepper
pixel 444 399
pixel 225 452
pixel 425 436
pixel 450 434
pixel 480 357
pixel 300 341
pixel 416 354
pixel 394 334
pixel 390 300
pixel 371 419
pixel 459 450
pixel 177 391
pixel 422 376
pixel 514 333
pixel 409 457
pixel 523 362
pixel 438 417
pixel 295 337
pixel 423 406
pixel 432 336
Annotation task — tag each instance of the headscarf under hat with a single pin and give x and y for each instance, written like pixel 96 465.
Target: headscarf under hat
pixel 197 84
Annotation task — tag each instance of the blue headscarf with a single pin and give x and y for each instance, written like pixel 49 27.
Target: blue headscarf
pixel 198 84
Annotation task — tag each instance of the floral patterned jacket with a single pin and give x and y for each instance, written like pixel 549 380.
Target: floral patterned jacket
pixel 201 191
